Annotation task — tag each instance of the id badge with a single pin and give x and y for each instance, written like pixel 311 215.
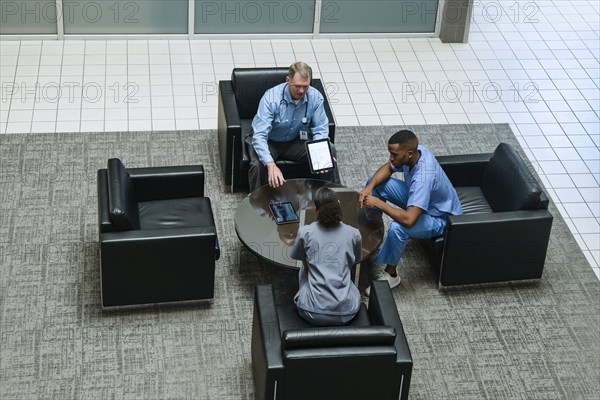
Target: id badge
pixel 303 135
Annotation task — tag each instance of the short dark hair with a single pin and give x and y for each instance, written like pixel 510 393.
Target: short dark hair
pixel 329 211
pixel 403 137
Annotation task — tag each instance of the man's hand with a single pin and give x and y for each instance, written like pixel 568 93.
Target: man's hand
pixel 370 201
pixel 362 195
pixel 275 177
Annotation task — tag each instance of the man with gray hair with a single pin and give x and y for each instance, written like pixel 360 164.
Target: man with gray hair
pixel 288 115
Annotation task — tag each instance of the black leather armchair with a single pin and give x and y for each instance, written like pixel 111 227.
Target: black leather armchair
pixel 158 241
pixel 238 104
pixel 504 232
pixel 367 359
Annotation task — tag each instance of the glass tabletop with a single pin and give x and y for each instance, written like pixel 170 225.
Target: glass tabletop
pixel 257 230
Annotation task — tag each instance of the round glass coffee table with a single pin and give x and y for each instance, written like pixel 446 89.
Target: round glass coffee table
pixel 258 232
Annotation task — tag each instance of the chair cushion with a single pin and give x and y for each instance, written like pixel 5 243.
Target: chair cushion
pixel 250 84
pixel 176 213
pixel 122 201
pixel 290 320
pixel 472 200
pixel 507 183
pixel 339 336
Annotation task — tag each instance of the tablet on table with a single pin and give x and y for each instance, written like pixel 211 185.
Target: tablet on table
pixel 284 212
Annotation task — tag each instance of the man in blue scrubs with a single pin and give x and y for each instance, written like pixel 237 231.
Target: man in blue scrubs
pixel 288 115
pixel 423 199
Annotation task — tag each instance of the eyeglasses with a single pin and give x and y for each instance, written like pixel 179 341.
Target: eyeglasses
pixel 296 86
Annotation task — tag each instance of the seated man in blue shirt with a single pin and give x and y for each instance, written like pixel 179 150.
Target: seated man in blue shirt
pixel 424 199
pixel 288 115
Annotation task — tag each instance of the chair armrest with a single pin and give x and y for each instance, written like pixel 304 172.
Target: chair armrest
pixel 495 247
pixel 544 201
pixel 383 311
pixel 159 183
pixel 217 247
pixel 229 126
pixel 104 222
pixel 267 363
pixel 228 101
pixel 464 170
pixel 318 84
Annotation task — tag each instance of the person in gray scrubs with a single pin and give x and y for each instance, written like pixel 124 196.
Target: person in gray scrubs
pixel 328 248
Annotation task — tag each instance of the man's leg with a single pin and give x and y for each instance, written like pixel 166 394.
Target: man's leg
pixel 257 173
pixel 334 175
pixel 296 151
pixel 398 236
pixel 395 243
pixel 393 190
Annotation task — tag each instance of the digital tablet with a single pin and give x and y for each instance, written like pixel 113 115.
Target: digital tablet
pixel 320 157
pixel 284 213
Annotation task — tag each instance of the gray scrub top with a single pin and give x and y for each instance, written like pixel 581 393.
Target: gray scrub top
pixel 326 286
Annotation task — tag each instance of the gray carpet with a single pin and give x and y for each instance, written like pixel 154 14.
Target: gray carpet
pixel 511 341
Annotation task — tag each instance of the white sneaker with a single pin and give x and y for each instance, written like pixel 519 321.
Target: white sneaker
pixel 393 281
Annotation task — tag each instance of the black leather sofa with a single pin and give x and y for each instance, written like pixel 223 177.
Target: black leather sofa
pixel 158 240
pixel 367 359
pixel 504 232
pixel 238 104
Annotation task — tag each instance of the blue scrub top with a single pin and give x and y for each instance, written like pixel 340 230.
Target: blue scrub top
pixel 428 186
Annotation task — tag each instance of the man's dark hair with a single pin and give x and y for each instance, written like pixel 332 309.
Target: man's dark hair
pixel 329 211
pixel 403 137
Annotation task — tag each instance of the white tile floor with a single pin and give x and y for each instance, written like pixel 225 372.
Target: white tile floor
pixel 533 64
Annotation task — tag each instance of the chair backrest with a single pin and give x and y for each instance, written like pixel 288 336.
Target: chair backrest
pixel 507 183
pixel 122 203
pixel 323 362
pixel 250 84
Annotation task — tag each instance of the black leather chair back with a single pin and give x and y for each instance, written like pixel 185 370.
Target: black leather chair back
pixel 250 84
pixel 507 183
pixel 339 336
pixel 322 362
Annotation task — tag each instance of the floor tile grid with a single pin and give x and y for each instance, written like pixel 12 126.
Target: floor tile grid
pixel 580 212
pixel 585 146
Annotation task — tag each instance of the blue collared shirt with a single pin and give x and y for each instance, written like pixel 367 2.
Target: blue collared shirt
pixel 281 121
pixel 428 186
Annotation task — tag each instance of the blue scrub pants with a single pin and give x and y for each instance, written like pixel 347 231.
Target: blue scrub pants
pixel 396 192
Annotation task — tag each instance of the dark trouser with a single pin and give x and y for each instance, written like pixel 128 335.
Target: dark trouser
pixel 293 151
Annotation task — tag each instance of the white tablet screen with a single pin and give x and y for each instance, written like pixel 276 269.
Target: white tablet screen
pixel 320 155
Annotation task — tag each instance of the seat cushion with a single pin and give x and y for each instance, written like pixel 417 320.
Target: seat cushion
pixel 290 320
pixel 472 200
pixel 122 202
pixel 507 183
pixel 176 213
